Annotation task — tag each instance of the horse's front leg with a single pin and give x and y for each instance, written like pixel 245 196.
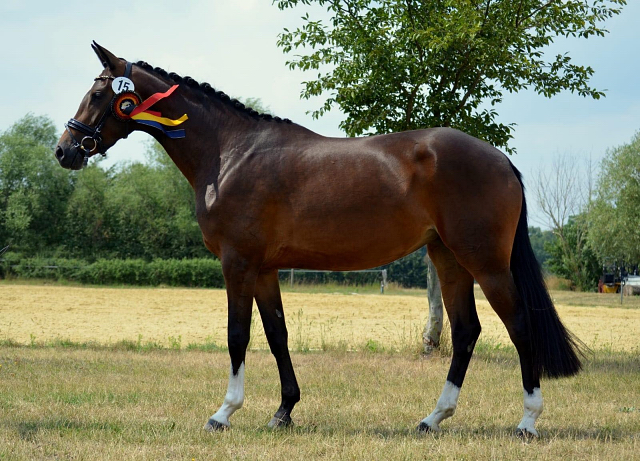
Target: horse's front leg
pixel 270 305
pixel 240 278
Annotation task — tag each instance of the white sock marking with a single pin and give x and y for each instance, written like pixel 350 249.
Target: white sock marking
pixel 445 407
pixel 532 409
pixel 234 398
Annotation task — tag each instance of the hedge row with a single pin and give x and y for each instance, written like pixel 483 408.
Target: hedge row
pixel 171 272
pixel 409 271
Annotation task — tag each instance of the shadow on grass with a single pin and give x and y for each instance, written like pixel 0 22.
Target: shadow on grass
pixel 604 434
pixel 29 429
pixel 139 431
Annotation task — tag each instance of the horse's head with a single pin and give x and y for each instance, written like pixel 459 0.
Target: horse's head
pixel 101 118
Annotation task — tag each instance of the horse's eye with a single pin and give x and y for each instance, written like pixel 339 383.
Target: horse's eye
pixel 97 95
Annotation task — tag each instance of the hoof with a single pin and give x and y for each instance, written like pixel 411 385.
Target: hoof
pixel 280 421
pixel 424 427
pixel 214 426
pixel 526 435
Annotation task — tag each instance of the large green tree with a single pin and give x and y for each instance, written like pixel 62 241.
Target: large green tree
pixel 614 231
pixel 394 65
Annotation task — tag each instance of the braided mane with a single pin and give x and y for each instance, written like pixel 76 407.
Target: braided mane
pixel 209 91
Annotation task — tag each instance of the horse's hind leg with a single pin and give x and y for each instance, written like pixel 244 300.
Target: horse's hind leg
pixel 502 294
pixel 270 305
pixel 457 293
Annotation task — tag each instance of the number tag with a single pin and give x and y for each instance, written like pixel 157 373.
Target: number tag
pixel 122 84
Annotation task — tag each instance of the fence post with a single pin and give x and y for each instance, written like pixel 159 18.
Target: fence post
pixel 291 279
pixel 384 281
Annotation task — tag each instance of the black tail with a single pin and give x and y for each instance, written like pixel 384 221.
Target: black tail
pixel 555 349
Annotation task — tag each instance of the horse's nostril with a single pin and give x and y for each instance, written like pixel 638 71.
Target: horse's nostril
pixel 59 153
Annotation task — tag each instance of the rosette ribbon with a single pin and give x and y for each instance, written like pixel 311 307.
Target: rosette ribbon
pixel 142 114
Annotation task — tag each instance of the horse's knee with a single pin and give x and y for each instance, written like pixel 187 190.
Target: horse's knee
pixel 464 337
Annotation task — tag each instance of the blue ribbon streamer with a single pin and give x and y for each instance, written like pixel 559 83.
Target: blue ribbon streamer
pixel 173 134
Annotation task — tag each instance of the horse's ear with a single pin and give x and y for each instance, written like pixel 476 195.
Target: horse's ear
pixel 106 57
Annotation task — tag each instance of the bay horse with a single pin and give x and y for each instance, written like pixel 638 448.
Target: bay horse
pixel 272 194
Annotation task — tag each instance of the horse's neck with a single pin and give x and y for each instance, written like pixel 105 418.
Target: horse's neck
pixel 210 130
pixel 215 130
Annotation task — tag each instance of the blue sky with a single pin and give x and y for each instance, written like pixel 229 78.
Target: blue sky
pixel 46 66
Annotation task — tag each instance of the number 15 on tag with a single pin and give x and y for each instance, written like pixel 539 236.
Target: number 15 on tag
pixel 121 85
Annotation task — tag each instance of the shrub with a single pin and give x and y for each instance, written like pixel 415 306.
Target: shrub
pixel 172 272
pixel 40 268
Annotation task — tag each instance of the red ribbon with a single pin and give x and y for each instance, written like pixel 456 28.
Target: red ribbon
pixel 151 100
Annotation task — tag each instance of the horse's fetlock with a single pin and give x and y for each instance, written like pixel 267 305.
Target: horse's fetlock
pixel 291 396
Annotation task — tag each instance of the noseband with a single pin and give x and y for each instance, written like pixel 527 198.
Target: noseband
pixel 92 135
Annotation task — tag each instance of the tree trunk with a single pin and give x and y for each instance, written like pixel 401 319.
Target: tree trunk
pixel 433 328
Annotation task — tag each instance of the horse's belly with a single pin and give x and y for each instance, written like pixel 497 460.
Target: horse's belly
pixel 354 240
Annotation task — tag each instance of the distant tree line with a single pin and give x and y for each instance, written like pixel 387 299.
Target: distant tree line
pixel 594 218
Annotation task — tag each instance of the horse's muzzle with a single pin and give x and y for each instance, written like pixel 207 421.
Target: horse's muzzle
pixel 70 158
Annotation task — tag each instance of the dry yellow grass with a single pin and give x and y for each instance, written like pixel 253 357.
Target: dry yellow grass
pixel 194 316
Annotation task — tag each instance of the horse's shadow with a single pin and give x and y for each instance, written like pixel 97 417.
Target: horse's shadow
pixel 28 431
pixel 484 432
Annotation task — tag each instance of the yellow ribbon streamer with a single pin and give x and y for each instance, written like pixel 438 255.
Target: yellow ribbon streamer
pixel 161 120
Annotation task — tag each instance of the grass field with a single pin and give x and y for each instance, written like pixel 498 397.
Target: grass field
pixel 105 373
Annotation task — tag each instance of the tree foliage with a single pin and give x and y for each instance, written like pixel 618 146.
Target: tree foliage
pixel 395 65
pixel 33 188
pixel 133 210
pixel 615 212
pixel 539 241
pixel 572 258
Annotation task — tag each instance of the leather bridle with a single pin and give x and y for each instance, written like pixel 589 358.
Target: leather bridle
pixel 93 134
